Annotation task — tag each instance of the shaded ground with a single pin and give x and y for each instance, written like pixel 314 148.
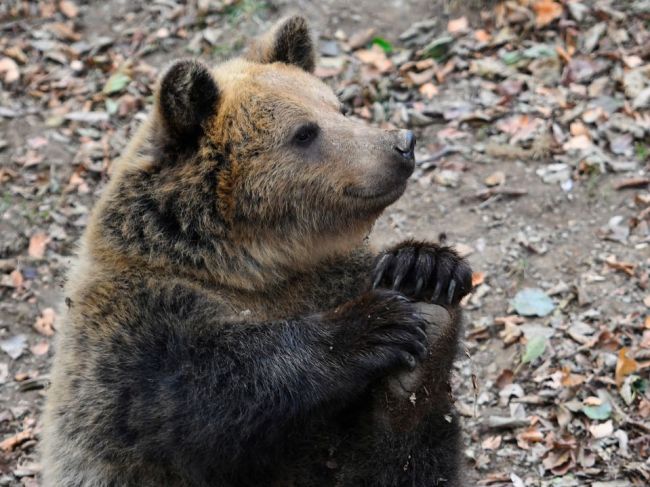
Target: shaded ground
pixel 532 122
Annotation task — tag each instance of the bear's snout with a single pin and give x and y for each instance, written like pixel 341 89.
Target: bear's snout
pixel 405 145
pixel 404 153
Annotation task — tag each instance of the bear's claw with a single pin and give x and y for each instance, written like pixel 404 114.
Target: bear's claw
pixel 424 272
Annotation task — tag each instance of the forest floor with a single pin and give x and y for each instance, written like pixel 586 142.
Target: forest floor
pixel 533 125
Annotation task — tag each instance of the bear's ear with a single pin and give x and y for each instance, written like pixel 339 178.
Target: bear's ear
pixel 289 41
pixel 187 95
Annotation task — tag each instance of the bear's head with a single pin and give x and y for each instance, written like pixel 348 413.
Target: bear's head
pixel 253 160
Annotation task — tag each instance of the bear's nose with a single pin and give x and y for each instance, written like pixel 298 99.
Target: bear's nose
pixel 405 145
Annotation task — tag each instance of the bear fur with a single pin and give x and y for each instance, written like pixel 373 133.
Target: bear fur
pixel 228 325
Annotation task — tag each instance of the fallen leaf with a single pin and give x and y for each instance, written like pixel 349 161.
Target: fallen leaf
pixel 429 90
pixel 533 302
pixel 375 57
pixel 482 35
pixel 495 179
pixel 559 462
pixel 10 443
pixel 37 244
pixel 478 278
pixel 520 127
pixel 456 26
pixel 45 323
pixel 40 348
pixel 17 279
pixel 9 70
pixel 513 319
pixel 116 83
pixel 492 442
pixel 531 435
pixel 14 346
pixel 645 339
pixel 546 11
pixel 600 412
pixel 534 349
pixel 385 45
pixel 624 366
pixel 626 267
pixel 571 380
pixel 421 78
pixel 505 378
pixel 602 430
pixel 510 334
pixel 68 8
pixel 361 38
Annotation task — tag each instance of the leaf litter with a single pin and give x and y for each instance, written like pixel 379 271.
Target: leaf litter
pixel 533 123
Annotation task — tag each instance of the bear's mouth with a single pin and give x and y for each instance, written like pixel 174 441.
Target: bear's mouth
pixel 373 197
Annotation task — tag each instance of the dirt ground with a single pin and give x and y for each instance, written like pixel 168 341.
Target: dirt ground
pixel 526 185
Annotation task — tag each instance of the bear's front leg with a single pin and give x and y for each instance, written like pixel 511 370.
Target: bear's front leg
pixel 424 271
pixel 411 437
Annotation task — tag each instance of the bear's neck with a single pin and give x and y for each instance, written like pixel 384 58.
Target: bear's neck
pixel 171 231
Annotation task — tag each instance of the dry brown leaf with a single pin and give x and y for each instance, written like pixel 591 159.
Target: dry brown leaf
pixel 482 35
pixel 375 57
pixel 645 339
pixel 514 319
pixel 510 333
pixel 68 8
pixel 644 408
pixel 624 366
pixel 626 267
pixel 421 78
pixel 457 26
pixel 505 378
pixel 45 323
pixel 578 142
pixel 519 126
pixel 428 90
pixel 546 11
pixel 361 38
pixel 531 435
pixel 592 401
pixel 602 430
pixel 443 72
pixel 425 64
pixel 40 348
pixel 559 462
pixel 37 244
pixel 571 380
pixel 17 278
pixel 9 70
pixel 491 442
pixel 578 128
pixel 478 278
pixel 8 444
pixel 64 31
pixel 495 179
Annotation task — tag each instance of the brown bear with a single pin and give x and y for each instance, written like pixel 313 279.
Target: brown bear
pixel 227 324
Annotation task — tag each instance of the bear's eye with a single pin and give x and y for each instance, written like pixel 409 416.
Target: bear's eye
pixel 306 134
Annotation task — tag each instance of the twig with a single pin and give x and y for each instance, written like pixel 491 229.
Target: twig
pixel 445 151
pixel 488 193
pixel 498 422
pixel 631 183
